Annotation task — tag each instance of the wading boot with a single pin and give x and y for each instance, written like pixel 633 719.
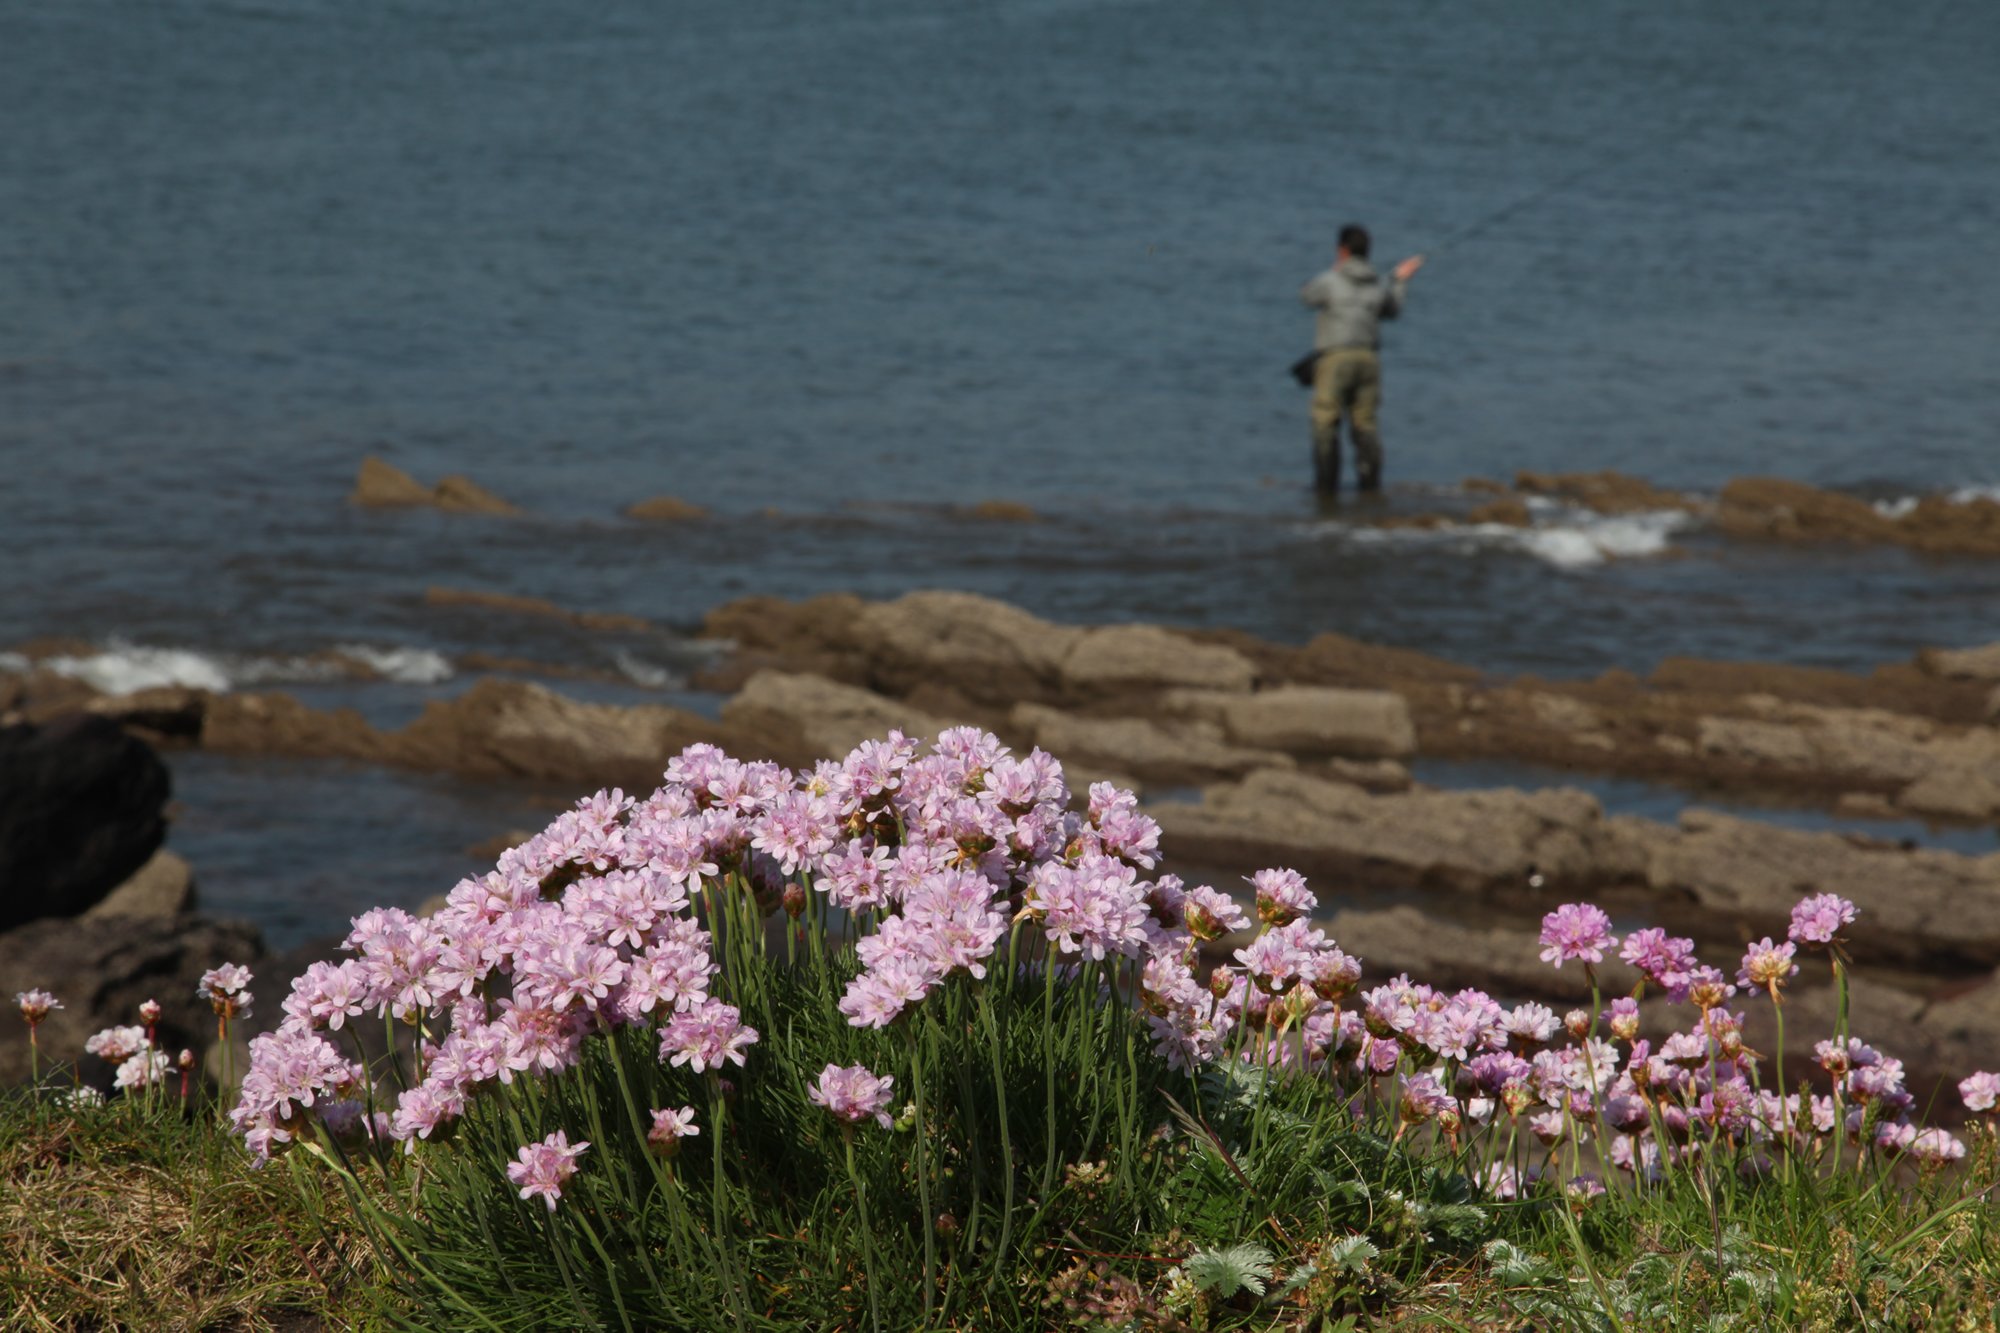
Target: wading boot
pixel 1326 461
pixel 1367 460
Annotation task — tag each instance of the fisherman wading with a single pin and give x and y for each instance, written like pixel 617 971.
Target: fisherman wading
pixel 1352 301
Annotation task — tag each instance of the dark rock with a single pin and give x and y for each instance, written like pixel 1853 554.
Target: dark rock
pixel 82 807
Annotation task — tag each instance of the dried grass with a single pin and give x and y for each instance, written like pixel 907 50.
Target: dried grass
pixel 118 1220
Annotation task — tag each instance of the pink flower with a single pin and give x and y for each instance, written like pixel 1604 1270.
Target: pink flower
pixel 223 988
pixel 1817 920
pixel 1576 930
pixel 116 1045
pixel 852 1094
pixel 1980 1091
pixel 706 1036
pixel 1282 896
pixel 1934 1147
pixel 35 1005
pixel 1766 965
pixel 149 1012
pixel 144 1067
pixel 545 1166
pixel 669 1128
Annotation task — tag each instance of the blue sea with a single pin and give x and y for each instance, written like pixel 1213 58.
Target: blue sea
pixel 836 270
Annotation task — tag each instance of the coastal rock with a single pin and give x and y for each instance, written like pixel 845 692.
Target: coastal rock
pixel 1926 908
pixel 1605 492
pixel 601 621
pixel 163 887
pixel 1772 507
pixel 103 973
pixel 665 509
pixel 278 724
pixel 1001 511
pixel 1465 841
pixel 987 649
pixel 1307 719
pixel 1932 770
pixel 512 728
pixel 821 717
pixel 1982 663
pixel 382 485
pixel 1152 751
pixel 462 495
pixel 1126 658
pixel 82 807
pixel 1509 511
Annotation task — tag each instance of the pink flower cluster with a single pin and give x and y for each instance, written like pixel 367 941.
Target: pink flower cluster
pixel 545 1167
pixel 939 861
pixel 851 1094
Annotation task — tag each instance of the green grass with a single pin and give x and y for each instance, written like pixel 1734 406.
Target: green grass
pixel 136 1216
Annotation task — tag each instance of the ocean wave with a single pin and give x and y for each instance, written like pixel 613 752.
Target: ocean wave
pixel 1563 537
pixel 405 666
pixel 1904 505
pixel 641 672
pixel 121 667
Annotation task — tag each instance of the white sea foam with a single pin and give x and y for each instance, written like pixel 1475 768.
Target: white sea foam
pixel 121 667
pixel 641 672
pixel 1903 505
pixel 407 666
pixel 1563 537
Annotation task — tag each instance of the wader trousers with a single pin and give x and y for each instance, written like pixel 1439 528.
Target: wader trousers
pixel 1347 383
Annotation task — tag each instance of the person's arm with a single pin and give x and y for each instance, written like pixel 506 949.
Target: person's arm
pixel 1399 282
pixel 1318 293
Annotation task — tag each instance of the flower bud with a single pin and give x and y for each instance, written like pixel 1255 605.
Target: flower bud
pixel 1577 1023
pixel 795 901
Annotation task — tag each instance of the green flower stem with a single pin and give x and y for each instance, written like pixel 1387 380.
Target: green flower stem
pixel 1049 1066
pixel 1006 1138
pixel 927 1222
pixel 867 1234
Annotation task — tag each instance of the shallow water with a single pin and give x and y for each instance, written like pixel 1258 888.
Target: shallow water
pixel 861 262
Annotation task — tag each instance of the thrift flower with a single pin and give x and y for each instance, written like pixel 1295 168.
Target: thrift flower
pixel 35 1006
pixel 1766 965
pixel 1980 1091
pixel 1576 930
pixel 545 1166
pixel 853 1094
pixel 669 1128
pixel 223 988
pixel 1817 920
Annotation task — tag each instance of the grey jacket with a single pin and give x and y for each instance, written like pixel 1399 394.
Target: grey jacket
pixel 1352 300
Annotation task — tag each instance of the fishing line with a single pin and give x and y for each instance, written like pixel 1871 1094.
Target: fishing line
pixel 1302 369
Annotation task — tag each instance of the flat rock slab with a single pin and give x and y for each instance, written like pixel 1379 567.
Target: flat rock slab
pixel 1307 719
pixel 827 719
pixel 1713 876
pixel 1163 752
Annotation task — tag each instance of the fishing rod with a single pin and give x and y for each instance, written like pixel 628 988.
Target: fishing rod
pixel 1302 369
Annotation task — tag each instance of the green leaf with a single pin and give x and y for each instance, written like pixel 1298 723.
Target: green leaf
pixel 1226 1272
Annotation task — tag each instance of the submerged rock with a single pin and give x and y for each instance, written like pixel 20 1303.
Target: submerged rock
pixel 665 509
pixel 382 485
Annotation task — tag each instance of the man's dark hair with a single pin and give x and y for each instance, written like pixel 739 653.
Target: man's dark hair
pixel 1354 240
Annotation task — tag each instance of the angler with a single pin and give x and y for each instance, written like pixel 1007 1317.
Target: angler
pixel 1345 368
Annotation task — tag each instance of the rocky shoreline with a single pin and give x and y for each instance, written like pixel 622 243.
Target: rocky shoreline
pixel 1301 756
